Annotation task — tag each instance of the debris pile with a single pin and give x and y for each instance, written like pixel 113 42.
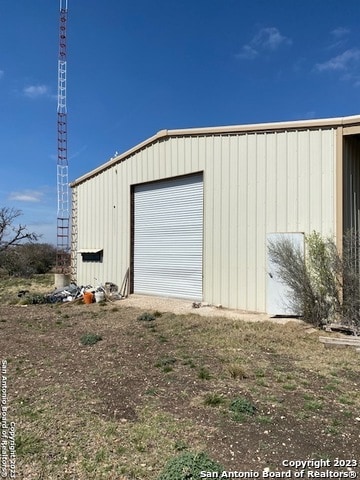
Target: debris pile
pixel 65 294
pixel 88 293
pixel 72 292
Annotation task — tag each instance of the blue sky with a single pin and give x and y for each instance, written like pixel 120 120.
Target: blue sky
pixel 135 67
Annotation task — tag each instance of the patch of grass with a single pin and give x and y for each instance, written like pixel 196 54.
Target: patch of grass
pixel 213 399
pixel 347 413
pixel 204 374
pixel 111 430
pixel 166 364
pixel 189 362
pixel 100 455
pixel 27 444
pixel 151 391
pixel 307 396
pixel 346 400
pixel 90 339
pixel 331 387
pixel 334 428
pixel 289 386
pixel 28 410
pixel 236 370
pixel 261 382
pixel 313 405
pixel 265 419
pixel 180 445
pixel 162 338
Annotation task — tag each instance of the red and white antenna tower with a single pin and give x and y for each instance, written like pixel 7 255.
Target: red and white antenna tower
pixel 63 214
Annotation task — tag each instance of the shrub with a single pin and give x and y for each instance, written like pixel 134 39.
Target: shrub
pixel 292 270
pixel 146 317
pixel 325 285
pixel 28 259
pixel 90 339
pixel 34 299
pixel 241 407
pixel 189 465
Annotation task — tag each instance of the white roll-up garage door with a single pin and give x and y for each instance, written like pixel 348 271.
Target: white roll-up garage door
pixel 168 237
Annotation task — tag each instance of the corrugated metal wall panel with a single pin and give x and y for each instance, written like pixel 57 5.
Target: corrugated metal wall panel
pixel 168 237
pixel 254 183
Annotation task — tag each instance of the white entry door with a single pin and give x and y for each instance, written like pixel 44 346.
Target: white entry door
pixel 279 294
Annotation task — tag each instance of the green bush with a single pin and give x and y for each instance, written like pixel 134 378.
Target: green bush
pixel 241 407
pixel 188 466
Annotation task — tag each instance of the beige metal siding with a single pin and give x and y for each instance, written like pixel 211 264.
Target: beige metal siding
pixel 254 183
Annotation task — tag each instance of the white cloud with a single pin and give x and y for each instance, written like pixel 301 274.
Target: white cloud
pixel 340 32
pixel 342 62
pixel 26 196
pixel 36 91
pixel 340 37
pixel 266 39
pixel 247 52
pixel 270 38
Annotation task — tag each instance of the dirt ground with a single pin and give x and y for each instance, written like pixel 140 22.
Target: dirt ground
pixel 148 390
pixel 185 307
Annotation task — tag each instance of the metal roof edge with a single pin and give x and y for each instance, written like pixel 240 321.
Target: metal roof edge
pixel 293 124
pixel 119 158
pixel 229 129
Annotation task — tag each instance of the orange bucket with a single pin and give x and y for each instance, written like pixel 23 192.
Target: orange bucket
pixel 88 297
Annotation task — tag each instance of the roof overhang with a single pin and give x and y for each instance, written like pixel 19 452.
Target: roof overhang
pixel 352 123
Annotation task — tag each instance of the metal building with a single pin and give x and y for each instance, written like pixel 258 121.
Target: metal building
pixel 189 211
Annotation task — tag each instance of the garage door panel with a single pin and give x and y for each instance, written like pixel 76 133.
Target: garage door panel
pixel 168 237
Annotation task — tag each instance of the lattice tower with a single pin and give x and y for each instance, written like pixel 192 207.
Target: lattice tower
pixel 63 214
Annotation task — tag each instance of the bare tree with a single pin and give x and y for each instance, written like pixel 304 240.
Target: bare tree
pixel 11 233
